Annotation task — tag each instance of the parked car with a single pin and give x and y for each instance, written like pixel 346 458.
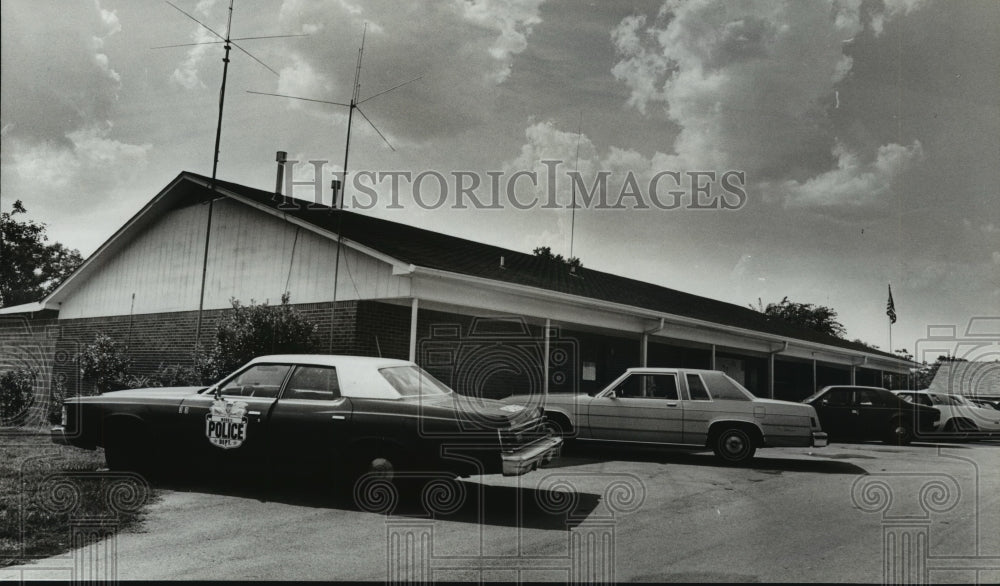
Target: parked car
pixel 870 413
pixel 987 403
pixel 959 415
pixel 348 414
pixel 692 409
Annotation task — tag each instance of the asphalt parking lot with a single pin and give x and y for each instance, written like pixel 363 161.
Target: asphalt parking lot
pixel 845 513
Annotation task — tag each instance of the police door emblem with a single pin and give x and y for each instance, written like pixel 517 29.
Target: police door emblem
pixel 226 424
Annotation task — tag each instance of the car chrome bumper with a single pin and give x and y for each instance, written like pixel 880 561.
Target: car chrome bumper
pixel 819 439
pixel 58 435
pixel 531 456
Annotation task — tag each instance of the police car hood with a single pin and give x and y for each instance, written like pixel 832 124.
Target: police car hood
pixel 151 393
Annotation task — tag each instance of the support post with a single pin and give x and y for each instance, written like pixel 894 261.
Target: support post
pixel 854 377
pixel 545 359
pixel 770 375
pixel 644 350
pixel 414 308
pixel 712 364
pixel 815 382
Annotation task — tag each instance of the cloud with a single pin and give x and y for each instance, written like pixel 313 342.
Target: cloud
pixel 301 79
pixel 750 86
pixel 463 49
pixel 186 74
pixel 892 9
pixel 512 20
pixel 93 161
pixel 56 75
pixel 852 182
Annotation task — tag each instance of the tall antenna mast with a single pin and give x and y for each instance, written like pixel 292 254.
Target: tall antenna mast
pixel 338 203
pixel 222 93
pixel 576 167
pixel 228 42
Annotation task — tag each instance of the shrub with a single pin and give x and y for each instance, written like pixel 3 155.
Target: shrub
pixel 104 364
pixel 56 399
pixel 254 330
pixel 16 394
pixel 176 376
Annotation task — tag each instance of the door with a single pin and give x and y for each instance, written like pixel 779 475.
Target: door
pixel 641 408
pixel 309 423
pixel 877 409
pixel 838 415
pixel 234 425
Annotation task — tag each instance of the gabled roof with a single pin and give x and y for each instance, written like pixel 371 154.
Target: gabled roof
pixel 402 244
pixel 434 250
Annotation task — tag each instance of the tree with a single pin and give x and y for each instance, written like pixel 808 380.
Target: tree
pixel 818 318
pixel 30 268
pixel 546 252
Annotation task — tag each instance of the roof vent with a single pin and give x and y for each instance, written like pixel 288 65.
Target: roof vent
pixel 281 157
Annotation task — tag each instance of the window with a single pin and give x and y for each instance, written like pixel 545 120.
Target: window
pixel 867 398
pixel 412 381
pixel 837 398
pixel 260 380
pixel 649 386
pixel 725 388
pixel 697 388
pixel 316 383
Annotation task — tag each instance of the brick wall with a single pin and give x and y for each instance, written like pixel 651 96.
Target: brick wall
pixel 365 328
pixel 481 357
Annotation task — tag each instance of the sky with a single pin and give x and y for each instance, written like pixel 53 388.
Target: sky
pixel 841 145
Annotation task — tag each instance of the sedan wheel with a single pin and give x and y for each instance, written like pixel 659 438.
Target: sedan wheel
pixel 382 468
pixel 734 446
pixel 899 433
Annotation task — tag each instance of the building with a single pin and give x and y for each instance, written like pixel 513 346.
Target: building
pixel 978 379
pixel 470 312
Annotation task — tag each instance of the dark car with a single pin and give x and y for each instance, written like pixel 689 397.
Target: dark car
pixel 344 415
pixel 870 413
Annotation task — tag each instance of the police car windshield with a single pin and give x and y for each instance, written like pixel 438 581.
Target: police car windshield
pixel 412 381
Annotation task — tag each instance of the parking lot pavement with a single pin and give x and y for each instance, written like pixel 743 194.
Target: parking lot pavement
pixel 844 513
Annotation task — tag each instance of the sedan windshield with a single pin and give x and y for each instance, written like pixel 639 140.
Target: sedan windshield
pixel 411 381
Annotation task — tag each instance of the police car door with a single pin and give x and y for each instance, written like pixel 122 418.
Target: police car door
pixel 232 423
pixel 309 423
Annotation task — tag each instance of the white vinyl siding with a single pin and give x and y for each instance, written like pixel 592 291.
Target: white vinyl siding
pixel 250 257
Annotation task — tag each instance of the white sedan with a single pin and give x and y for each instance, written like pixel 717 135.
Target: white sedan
pixel 958 414
pixel 693 409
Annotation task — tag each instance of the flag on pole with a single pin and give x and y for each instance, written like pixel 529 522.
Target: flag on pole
pixel 890 308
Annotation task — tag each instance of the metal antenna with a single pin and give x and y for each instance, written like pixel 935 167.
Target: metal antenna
pixel 228 42
pixel 576 167
pixel 338 203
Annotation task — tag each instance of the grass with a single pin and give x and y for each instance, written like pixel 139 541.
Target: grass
pixel 39 481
